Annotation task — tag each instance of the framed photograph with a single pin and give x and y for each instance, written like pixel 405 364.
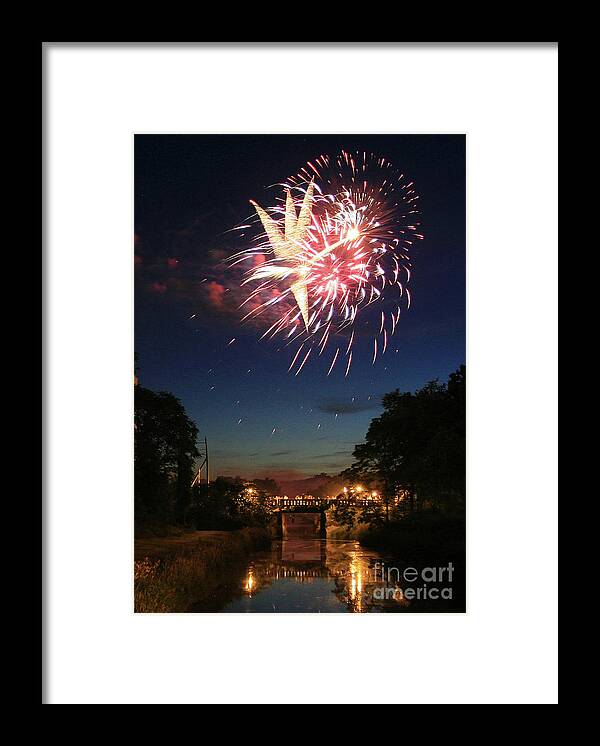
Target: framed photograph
pixel 300 372
pixel 300 386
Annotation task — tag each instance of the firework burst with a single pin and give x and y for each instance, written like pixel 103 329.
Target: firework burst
pixel 336 243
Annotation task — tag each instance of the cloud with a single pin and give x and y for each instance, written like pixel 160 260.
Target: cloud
pixel 191 271
pixel 158 287
pixel 181 265
pixel 283 475
pixel 331 455
pixel 280 453
pixel 342 406
pixel 215 292
pixel 335 466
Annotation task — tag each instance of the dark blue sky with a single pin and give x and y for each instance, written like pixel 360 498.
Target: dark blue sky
pixel 189 191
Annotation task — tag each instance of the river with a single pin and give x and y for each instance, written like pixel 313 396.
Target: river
pixel 326 575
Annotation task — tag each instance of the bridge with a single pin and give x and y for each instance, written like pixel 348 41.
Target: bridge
pixel 306 517
pixel 284 503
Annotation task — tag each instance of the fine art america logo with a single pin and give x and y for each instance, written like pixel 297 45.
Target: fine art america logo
pixel 429 583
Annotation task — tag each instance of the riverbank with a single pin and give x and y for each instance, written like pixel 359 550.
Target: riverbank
pixel 172 572
pixel 419 536
pixel 418 544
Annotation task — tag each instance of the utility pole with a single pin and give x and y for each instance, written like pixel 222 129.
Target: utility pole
pixel 207 472
pixel 204 465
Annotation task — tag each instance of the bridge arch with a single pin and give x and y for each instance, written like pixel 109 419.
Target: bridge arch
pixel 302 524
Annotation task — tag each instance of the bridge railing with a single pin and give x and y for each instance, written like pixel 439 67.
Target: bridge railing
pixel 323 504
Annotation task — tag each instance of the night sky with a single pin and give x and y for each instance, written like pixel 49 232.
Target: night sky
pixel 189 192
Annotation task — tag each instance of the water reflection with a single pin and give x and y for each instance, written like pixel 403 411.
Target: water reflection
pixel 250 582
pixel 311 575
pixel 356 584
pixel 302 550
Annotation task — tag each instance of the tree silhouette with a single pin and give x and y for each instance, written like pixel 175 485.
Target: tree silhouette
pixel 165 449
pixel 418 445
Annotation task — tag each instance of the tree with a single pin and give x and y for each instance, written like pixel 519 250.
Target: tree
pixel 230 503
pixel 268 486
pixel 345 515
pixel 164 454
pixel 418 444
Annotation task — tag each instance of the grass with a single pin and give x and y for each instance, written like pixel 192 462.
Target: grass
pixel 173 572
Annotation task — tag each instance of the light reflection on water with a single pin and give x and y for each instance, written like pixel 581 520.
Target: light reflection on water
pixel 314 575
